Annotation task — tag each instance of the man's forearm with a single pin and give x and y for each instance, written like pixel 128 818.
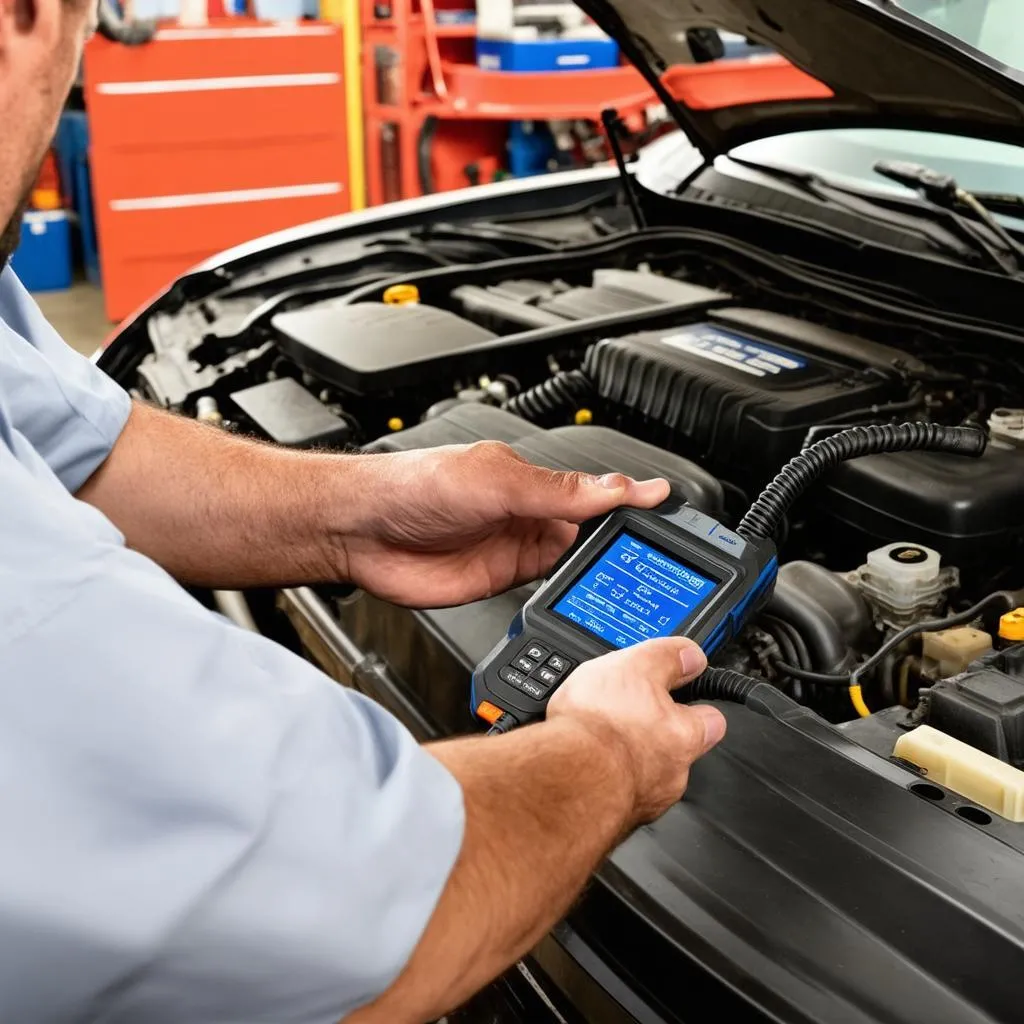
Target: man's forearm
pixel 221 511
pixel 544 805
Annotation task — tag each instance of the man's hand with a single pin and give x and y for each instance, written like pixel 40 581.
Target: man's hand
pixel 544 804
pixel 449 525
pixel 429 528
pixel 625 699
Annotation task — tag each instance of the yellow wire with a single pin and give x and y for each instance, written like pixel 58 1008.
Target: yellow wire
pixel 857 699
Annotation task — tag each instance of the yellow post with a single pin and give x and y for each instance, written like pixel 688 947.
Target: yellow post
pixel 346 13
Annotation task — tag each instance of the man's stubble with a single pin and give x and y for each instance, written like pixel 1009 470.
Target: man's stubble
pixel 11 234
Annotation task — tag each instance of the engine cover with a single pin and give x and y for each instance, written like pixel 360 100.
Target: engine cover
pixel 371 347
pixel 740 390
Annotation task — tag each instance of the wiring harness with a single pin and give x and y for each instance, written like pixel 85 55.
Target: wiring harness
pixel 767 512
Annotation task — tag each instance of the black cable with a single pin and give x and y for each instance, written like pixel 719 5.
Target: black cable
pixel 713 684
pixel 805 676
pixel 780 628
pixel 764 516
pixel 850 418
pixel 555 395
pixel 853 678
pixel 722 684
pixel 506 723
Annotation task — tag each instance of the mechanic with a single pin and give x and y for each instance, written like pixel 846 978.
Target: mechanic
pixel 199 826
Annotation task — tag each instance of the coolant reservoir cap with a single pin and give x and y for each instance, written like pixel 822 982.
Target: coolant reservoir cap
pixel 401 295
pixel 1011 626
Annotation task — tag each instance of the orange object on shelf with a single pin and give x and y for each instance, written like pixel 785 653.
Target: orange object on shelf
pixel 46 192
pixel 209 137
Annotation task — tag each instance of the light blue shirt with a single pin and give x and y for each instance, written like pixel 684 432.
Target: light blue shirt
pixel 195 825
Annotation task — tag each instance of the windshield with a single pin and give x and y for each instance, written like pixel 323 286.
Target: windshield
pixel 994 26
pixel 848 155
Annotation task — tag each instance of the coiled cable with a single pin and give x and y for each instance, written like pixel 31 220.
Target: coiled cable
pixel 551 397
pixel 722 684
pixel 767 512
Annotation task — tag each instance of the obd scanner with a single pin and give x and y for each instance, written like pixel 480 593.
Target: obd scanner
pixel 670 571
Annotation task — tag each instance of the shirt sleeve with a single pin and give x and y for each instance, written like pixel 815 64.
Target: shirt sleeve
pixel 68 409
pixel 200 826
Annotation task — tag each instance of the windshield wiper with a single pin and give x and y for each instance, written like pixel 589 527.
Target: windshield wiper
pixel 943 191
pixel 870 207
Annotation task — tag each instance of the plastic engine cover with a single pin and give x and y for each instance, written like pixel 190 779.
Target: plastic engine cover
pixel 369 346
pixel 740 390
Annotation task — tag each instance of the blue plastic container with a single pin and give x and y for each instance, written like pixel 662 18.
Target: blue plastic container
pixel 42 260
pixel 546 54
pixel 531 148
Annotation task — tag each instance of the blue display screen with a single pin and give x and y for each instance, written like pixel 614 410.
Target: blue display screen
pixel 632 593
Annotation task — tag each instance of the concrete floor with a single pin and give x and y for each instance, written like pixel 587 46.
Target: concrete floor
pixel 78 316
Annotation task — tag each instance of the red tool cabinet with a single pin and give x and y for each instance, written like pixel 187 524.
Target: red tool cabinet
pixel 207 138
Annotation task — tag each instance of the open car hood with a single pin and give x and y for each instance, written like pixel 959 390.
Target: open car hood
pixel 840 63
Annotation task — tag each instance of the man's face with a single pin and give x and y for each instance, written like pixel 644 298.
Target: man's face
pixel 40 47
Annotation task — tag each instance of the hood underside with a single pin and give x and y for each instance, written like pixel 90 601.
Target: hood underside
pixel 840 63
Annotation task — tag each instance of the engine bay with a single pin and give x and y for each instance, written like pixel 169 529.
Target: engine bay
pixel 676 354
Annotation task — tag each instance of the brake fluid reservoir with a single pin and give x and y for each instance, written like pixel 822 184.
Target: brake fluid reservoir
pixel 904 582
pixel 1006 428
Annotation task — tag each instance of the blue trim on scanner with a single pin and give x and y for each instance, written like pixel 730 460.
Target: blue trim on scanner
pixel 761 584
pixel 719 637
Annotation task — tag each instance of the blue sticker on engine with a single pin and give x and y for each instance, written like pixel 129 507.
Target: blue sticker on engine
pixel 741 353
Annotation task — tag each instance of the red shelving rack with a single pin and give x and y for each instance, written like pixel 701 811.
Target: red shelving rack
pixel 433 84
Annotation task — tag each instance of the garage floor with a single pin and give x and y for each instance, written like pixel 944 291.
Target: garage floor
pixel 78 316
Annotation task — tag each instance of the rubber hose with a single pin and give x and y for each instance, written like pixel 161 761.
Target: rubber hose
pixel 765 515
pixel 722 684
pixel 555 395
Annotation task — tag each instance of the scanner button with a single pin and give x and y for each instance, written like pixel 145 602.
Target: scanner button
pixel 530 687
pixel 558 664
pixel 525 664
pixel 547 676
pixel 512 676
pixel 536 653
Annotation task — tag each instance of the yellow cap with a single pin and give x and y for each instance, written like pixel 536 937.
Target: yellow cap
pixel 402 295
pixel 583 417
pixel 395 423
pixel 1011 625
pixel 46 199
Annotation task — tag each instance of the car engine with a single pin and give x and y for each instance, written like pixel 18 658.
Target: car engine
pixel 664 356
